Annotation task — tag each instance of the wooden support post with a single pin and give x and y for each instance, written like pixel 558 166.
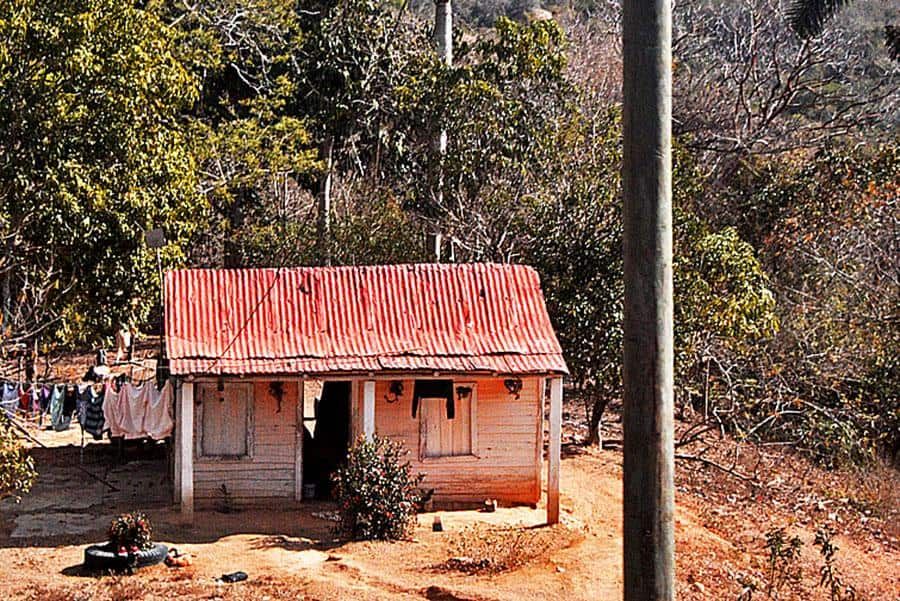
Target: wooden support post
pixel 176 445
pixel 553 450
pixel 369 409
pixel 355 415
pixel 298 442
pixel 186 445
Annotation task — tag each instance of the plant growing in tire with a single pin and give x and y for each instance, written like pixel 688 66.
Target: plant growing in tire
pixel 130 533
pixel 130 546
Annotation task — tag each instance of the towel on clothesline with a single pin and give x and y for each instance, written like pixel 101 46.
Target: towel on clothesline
pixel 93 422
pixel 62 406
pixel 158 422
pixel 139 411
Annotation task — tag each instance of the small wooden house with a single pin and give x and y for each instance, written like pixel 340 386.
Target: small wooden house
pixel 278 371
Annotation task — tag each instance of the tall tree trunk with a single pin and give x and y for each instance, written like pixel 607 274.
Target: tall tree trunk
pixel 323 224
pixel 443 40
pixel 6 293
pixel 598 406
pixel 232 247
pixel 649 550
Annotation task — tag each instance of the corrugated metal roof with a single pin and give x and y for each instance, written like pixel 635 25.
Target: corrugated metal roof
pixel 394 318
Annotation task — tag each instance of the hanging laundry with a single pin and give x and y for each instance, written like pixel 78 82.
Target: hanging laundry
pixel 140 411
pixel 46 394
pixel 94 422
pixel 58 418
pixel 132 407
pixel 84 394
pixel 158 422
pixel 25 393
pixel 9 397
pixel 125 415
pixel 70 401
pixel 111 410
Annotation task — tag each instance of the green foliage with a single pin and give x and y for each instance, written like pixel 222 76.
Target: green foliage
pixel 249 143
pixel 830 578
pixel 824 226
pixel 783 561
pixel 578 253
pixel 376 493
pixel 723 289
pixel 355 53
pixel 217 120
pixel 91 154
pixel 501 104
pixel 808 17
pixel 130 531
pixel 16 466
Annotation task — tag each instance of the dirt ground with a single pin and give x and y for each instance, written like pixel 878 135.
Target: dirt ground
pixel 294 555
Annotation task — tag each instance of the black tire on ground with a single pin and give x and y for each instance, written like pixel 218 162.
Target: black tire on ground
pixel 104 557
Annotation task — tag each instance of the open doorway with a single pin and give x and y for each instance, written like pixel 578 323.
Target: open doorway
pixel 326 435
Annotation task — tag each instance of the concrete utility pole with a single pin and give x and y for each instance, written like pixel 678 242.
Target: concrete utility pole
pixel 649 546
pixel 443 40
pixel 323 222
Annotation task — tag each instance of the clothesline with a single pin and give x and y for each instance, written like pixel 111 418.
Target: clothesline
pixel 130 411
pixel 81 382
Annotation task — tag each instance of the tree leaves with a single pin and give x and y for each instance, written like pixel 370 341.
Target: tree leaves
pixel 808 17
pixel 91 154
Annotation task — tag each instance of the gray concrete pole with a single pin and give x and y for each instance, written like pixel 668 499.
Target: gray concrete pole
pixel 649 547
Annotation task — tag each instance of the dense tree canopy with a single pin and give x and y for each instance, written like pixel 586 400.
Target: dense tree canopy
pixel 92 153
pixel 231 123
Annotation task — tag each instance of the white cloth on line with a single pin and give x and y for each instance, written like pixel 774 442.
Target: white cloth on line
pixel 140 411
pixel 158 422
pixel 111 410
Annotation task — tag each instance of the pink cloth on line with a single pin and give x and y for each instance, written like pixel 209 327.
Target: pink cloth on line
pixel 132 407
pixel 158 421
pixel 111 410
pixel 139 411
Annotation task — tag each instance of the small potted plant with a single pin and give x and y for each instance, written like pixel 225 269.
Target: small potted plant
pixel 130 546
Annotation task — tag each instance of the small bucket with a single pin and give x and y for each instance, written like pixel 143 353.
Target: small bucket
pixel 309 491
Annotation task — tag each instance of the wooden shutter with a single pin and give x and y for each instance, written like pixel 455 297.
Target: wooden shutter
pixel 225 420
pixel 443 437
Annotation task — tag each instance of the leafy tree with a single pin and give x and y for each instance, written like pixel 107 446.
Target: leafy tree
pixel 825 225
pixel 503 104
pixel 354 56
pixel 91 154
pixel 809 17
pixel 253 150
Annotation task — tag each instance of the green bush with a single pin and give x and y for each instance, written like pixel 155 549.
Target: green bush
pixel 377 494
pixel 16 466
pixel 130 531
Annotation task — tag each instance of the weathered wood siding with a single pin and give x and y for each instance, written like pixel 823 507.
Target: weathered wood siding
pixel 268 475
pixel 506 458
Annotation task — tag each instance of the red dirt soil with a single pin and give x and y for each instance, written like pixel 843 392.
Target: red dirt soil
pixel 721 523
pixel 292 555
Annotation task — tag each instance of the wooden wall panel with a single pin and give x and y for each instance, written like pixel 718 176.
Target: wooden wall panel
pixel 505 464
pixel 269 473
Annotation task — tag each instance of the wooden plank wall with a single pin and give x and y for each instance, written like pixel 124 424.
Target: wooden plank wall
pixel 507 460
pixel 266 478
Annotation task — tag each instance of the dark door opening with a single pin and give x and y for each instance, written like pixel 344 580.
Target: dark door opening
pixel 325 448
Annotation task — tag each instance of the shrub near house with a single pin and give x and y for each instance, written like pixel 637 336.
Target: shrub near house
pixel 377 493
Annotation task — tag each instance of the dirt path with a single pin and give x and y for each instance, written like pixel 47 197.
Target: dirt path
pixel 291 554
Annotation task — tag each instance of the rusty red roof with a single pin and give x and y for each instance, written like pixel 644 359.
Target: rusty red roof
pixel 392 318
